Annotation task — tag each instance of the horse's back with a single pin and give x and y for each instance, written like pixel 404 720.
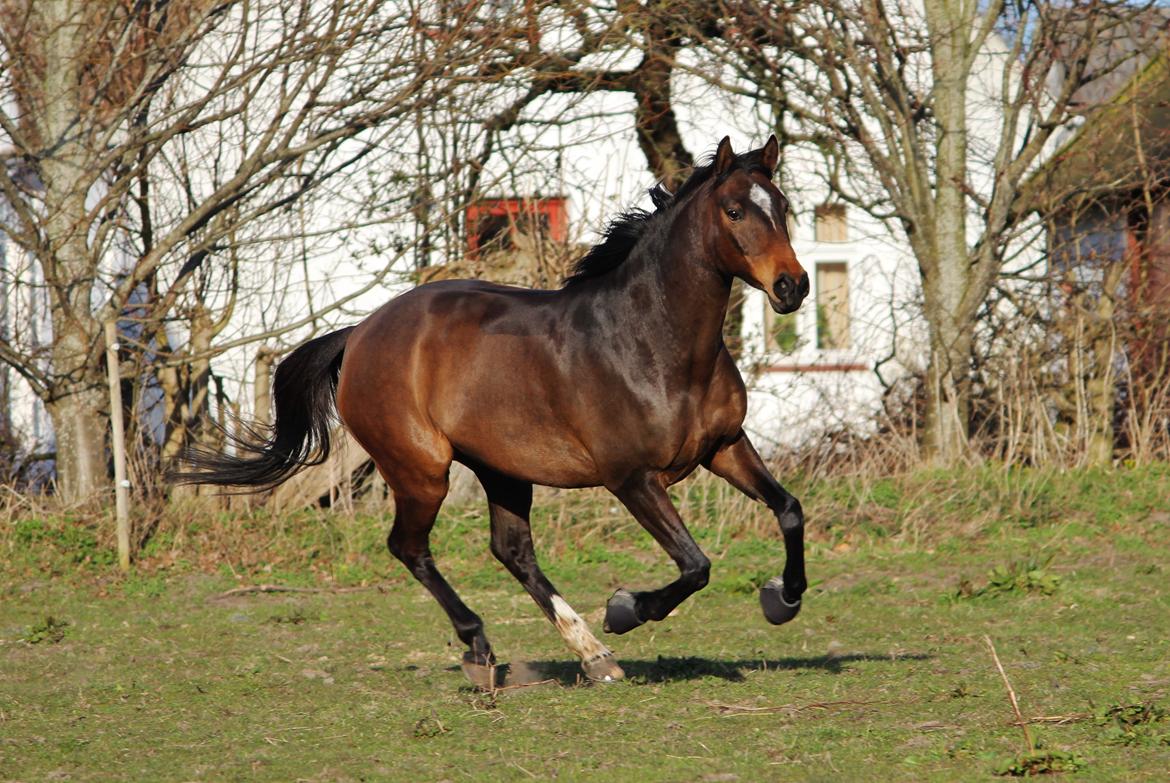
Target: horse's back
pixel 476 366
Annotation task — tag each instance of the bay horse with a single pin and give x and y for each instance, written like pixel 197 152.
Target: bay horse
pixel 620 379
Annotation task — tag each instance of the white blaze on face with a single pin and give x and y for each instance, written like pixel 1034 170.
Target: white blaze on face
pixel 763 199
pixel 575 632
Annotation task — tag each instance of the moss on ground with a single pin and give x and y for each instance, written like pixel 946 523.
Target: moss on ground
pixel 884 676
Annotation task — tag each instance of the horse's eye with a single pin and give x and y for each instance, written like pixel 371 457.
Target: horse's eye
pixel 734 213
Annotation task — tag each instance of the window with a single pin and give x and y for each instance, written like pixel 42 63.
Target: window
pixel 832 306
pixel 494 224
pixel 830 223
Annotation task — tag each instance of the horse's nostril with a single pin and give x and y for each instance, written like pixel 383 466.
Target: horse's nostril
pixel 783 286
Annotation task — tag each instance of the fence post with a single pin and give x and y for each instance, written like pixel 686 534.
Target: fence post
pixel 118 441
pixel 262 385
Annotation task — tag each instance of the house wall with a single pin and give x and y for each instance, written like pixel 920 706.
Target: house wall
pixel 588 152
pixel 798 394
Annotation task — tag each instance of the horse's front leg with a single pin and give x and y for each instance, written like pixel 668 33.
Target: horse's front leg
pixel 646 497
pixel 741 466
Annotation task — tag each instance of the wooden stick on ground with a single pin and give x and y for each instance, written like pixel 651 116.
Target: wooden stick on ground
pixel 1023 724
pixel 250 589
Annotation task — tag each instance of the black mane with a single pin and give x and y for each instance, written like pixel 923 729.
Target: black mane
pixel 623 232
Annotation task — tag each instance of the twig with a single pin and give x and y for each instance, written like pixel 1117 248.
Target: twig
pixel 1061 720
pixel 1023 724
pixel 526 772
pixel 250 589
pixel 741 709
pixel 515 686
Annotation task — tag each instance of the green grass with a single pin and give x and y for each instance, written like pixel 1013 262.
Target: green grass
pixel 884 676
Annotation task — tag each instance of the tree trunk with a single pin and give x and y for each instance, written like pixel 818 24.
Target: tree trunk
pixel 79 423
pixel 946 286
pixel 197 406
pixel 76 399
pixel 654 119
pixel 946 437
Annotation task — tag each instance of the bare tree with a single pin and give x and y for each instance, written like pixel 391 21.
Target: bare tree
pixel 140 137
pixel 930 115
pixel 629 48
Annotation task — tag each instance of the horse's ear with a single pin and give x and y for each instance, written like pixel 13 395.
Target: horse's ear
pixel 771 155
pixel 724 157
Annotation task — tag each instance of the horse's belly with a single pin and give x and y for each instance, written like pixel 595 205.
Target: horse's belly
pixel 519 449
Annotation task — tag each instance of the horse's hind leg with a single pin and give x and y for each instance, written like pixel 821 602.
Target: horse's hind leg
pixel 509 503
pixel 416 506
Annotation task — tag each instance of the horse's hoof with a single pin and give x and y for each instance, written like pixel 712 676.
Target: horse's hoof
pixel 777 610
pixel 485 676
pixel 621 612
pixel 603 668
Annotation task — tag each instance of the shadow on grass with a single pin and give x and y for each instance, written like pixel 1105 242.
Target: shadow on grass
pixel 670 669
pixel 665 669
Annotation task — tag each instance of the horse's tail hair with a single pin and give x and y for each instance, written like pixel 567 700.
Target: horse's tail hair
pixel 303 393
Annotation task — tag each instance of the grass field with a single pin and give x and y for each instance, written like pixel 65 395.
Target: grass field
pixel 886 674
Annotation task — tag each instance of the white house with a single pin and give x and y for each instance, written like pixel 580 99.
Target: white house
pixel 823 368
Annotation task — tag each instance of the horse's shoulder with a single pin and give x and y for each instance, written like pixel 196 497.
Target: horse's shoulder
pixel 727 374
pixel 727 393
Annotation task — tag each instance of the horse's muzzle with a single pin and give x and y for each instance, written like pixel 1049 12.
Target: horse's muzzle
pixel 788 292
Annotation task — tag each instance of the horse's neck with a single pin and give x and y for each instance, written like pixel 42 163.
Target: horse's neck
pixel 679 298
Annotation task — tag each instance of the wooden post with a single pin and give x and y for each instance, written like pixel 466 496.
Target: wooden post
pixel 262 385
pixel 118 440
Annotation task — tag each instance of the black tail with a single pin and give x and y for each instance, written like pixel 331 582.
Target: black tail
pixel 303 394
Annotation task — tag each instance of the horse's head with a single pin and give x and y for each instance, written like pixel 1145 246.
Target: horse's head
pixel 749 218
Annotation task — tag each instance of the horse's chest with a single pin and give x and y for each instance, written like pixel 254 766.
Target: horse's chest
pixel 702 429
pixel 670 423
